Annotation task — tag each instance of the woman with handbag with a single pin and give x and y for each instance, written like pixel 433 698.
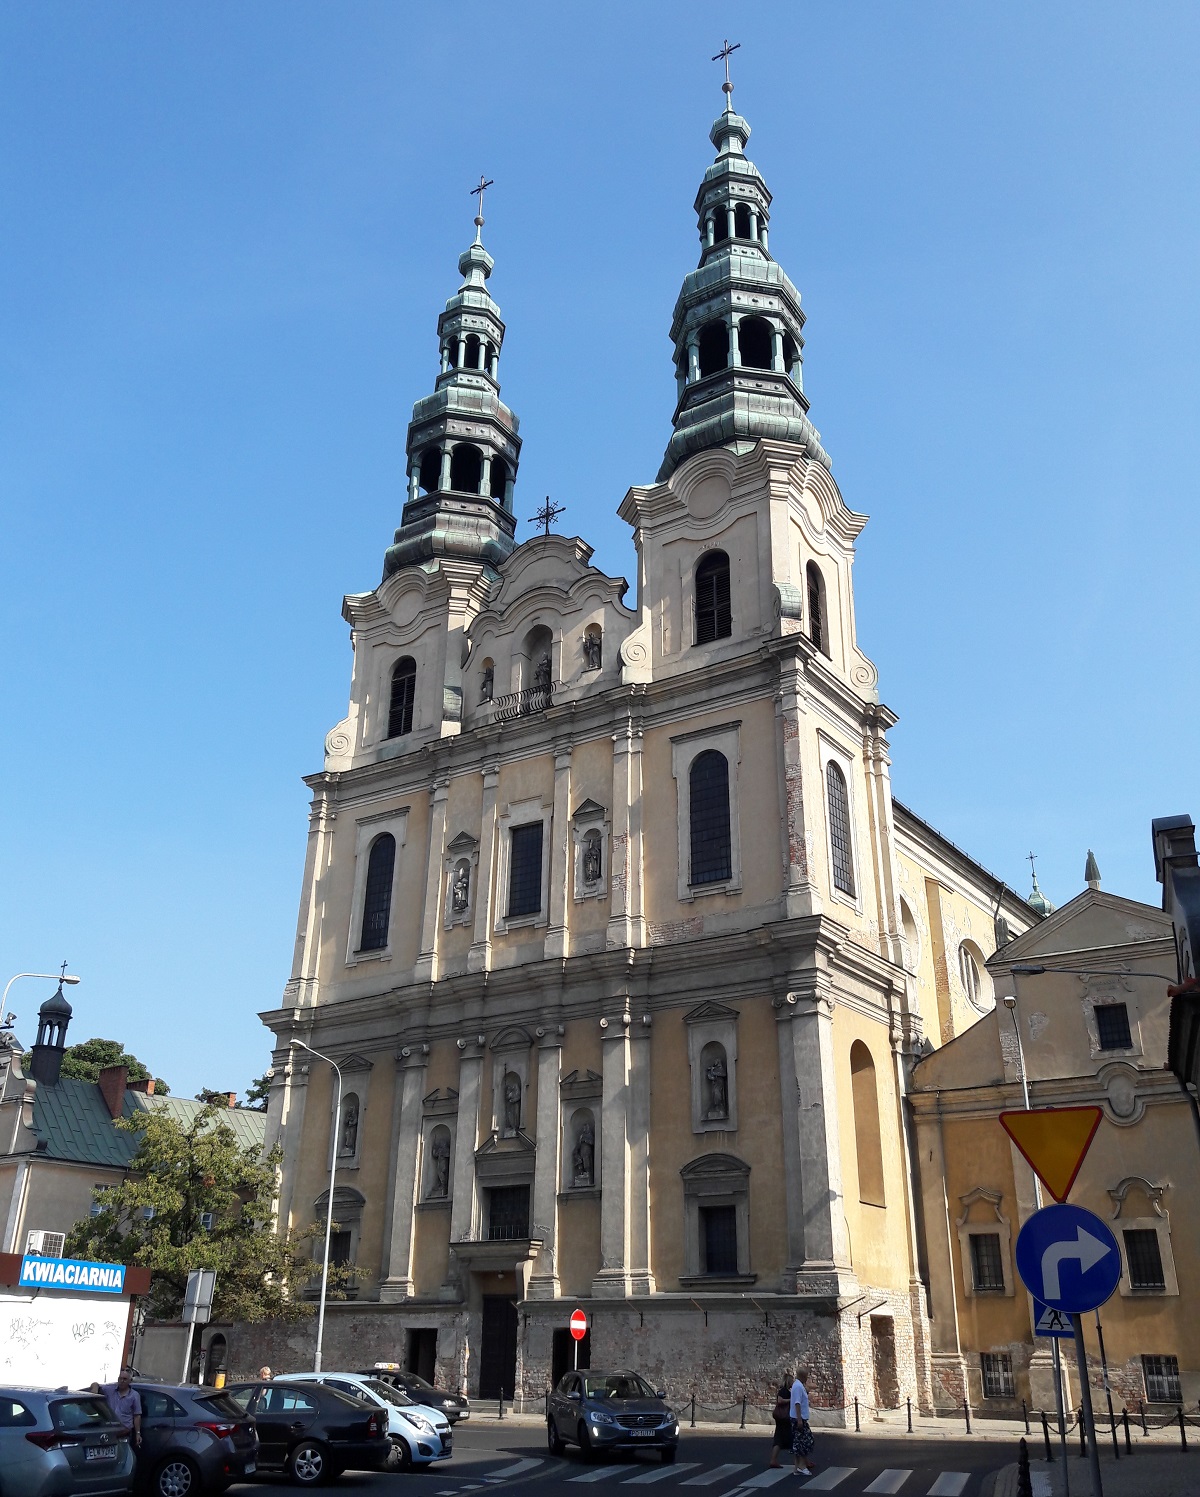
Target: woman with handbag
pixel 782 1415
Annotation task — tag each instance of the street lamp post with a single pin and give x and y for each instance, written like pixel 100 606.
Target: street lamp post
pixel 70 981
pixel 337 1112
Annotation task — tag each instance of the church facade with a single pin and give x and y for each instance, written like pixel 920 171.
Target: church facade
pixel 621 944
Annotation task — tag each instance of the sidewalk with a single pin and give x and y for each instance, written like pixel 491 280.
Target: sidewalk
pixel 1162 1472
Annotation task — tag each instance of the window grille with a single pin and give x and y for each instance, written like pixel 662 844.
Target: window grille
pixel 708 815
pixel 714 618
pixel 997 1370
pixel 525 870
pixel 1144 1259
pixel 1112 1026
pixel 377 900
pixel 839 829
pixel 508 1213
pixel 718 1239
pixel 404 691
pixel 987 1262
pixel 1162 1379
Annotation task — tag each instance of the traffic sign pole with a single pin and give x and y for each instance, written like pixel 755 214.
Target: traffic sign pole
pixel 1085 1397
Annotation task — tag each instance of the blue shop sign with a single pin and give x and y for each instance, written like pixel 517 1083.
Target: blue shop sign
pixel 70 1273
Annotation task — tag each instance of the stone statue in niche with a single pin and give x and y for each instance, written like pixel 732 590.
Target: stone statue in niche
pixel 717 1078
pixel 591 858
pixel 512 1103
pixel 350 1128
pixel 592 648
pixel 439 1188
pixel 488 684
pixel 583 1157
pixel 461 888
pixel 541 674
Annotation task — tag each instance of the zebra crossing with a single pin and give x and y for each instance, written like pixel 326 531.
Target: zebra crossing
pixel 730 1479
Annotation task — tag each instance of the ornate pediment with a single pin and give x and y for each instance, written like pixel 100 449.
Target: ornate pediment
pixel 716 1167
pixel 513 1037
pixel 440 1103
pixel 462 845
pixel 706 1013
pixel 590 810
pixel 356 1062
pixel 519 1143
pixel 581 1086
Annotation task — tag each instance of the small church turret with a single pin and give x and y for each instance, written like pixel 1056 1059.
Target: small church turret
pixel 737 323
pixel 50 1046
pixel 463 448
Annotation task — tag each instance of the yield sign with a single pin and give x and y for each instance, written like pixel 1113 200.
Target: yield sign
pixel 1053 1140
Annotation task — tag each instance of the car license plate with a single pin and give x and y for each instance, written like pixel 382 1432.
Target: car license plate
pixel 642 1433
pixel 100 1452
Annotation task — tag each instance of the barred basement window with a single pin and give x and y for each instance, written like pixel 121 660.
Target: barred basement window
pixel 714 618
pixel 708 812
pixel 996 1367
pixel 1144 1259
pixel 1112 1026
pixel 525 870
pixel 377 899
pixel 718 1239
pixel 839 829
pixel 1162 1379
pixel 404 690
pixel 987 1263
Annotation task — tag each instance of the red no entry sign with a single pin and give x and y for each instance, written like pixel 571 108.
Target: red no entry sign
pixel 578 1324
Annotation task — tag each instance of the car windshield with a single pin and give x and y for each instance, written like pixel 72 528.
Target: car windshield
pixel 386 1391
pixel 618 1385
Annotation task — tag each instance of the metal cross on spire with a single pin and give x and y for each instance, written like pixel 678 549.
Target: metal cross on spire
pixel 484 184
pixel 1031 859
pixel 727 51
pixel 546 516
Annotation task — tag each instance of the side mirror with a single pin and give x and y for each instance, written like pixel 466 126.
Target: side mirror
pixel 575 1394
pixel 662 1393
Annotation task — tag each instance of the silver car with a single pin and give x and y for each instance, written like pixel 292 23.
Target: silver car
pixel 61 1445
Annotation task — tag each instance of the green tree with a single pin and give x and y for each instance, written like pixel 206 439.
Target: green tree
pixel 195 1199
pixel 86 1060
pixel 260 1090
pixel 211 1098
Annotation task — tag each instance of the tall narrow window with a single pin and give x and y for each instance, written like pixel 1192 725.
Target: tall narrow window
pixel 708 810
pixel 818 624
pixel 1162 1379
pixel 968 970
pixel 713 348
pixel 714 618
pixel 987 1263
pixel 718 1240
pixel 404 691
pixel 1144 1259
pixel 841 848
pixel 525 870
pixel 866 1125
pixel 754 342
pixel 1112 1026
pixel 377 899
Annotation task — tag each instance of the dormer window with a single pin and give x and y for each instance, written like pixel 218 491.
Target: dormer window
pixel 714 617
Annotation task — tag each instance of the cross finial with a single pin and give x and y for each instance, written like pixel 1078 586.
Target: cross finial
pixel 1031 859
pixel 727 51
pixel 479 191
pixel 546 516
pixel 64 969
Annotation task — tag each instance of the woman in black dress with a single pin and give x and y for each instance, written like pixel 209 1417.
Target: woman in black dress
pixel 781 1413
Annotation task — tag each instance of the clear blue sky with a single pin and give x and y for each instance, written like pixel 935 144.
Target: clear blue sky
pixel 227 233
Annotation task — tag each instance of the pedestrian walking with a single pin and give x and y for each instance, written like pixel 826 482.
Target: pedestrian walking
pixel 782 1415
pixel 265 1374
pixel 802 1435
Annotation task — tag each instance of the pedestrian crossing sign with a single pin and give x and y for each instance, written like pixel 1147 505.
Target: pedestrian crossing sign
pixel 1050 1322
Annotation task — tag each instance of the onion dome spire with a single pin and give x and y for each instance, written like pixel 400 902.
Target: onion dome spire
pixel 463 448
pixel 737 323
pixel 1036 899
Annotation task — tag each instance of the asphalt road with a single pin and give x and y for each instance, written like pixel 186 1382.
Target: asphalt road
pixel 514 1459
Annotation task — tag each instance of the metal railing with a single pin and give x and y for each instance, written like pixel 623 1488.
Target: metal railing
pixel 522 703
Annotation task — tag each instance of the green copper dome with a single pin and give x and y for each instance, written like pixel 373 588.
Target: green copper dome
pixel 1038 901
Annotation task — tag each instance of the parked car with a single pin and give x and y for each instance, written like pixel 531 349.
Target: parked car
pixel 455 1406
pixel 194 1440
pixel 312 1432
pixel 61 1445
pixel 419 1435
pixel 610 1411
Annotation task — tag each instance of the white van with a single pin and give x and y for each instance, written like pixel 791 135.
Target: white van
pixel 420 1435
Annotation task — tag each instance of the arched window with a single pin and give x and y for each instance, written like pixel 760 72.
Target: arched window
pixel 404 691
pixel 741 221
pixel 754 342
pixel 347 1139
pixel 841 848
pixel 714 1082
pixel 451 353
pixel 499 479
pixel 714 618
pixel 720 224
pixel 708 815
pixel 473 352
pixel 866 1125
pixel 714 348
pixel 466 464
pixel 429 475
pixel 790 352
pixel 912 935
pixel 968 970
pixel 818 624
pixel 377 898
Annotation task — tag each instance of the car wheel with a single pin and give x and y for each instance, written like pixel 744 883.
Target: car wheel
pixel 309 1464
pixel 668 1455
pixel 176 1477
pixel 553 1439
pixel 586 1449
pixel 399 1456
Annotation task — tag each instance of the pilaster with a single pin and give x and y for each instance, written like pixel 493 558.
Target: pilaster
pixel 801 892
pixel 302 988
pixel 641 1272
pixel 479 958
pixel 560 833
pixel 543 1281
pixel 463 1211
pixel 613 1280
pixel 291 1127
pixel 883 834
pixel 410 1087
pixel 431 923
pixel 627 925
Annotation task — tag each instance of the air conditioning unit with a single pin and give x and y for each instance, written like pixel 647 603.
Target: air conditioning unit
pixel 46 1244
pixel 206 1220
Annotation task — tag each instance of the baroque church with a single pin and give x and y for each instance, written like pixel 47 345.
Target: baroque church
pixel 621 944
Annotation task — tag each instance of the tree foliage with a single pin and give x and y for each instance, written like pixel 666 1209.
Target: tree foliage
pixel 211 1098
pixel 194 1198
pixel 86 1060
pixel 259 1092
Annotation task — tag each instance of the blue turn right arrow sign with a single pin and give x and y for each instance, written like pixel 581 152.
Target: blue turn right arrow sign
pixel 1068 1259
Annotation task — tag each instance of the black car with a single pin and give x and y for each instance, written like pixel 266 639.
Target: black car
pixel 194 1440
pixel 610 1411
pixel 455 1406
pixel 311 1431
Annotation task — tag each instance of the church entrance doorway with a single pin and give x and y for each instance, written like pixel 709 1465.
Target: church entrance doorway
pixel 562 1353
pixel 422 1352
pixel 883 1355
pixel 498 1347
